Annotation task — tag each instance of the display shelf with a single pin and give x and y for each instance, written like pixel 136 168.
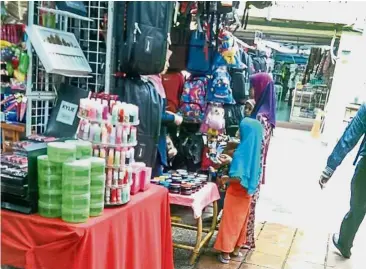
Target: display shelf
pixel 109 122
pixel 307 101
pixel 64 13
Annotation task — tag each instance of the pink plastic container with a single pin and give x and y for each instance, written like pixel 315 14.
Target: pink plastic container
pixel 145 176
pixel 136 180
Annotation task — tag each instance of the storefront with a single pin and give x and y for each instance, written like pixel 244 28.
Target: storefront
pixel 83 180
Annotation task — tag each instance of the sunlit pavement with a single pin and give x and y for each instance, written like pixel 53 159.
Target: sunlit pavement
pixel 297 217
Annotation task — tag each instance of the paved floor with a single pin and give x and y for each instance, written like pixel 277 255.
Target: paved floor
pixel 305 216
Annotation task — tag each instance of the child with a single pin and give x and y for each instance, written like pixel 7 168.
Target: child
pixel 249 106
pixel 244 175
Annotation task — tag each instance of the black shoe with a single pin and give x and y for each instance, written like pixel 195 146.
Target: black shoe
pixel 345 253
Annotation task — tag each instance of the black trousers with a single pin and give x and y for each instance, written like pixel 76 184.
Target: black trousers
pixel 356 214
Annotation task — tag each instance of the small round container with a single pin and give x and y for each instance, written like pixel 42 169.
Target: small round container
pixel 174 188
pixel 50 182
pixel 60 152
pixel 98 181
pixel 181 171
pixel 49 210
pixel 155 181
pixel 96 194
pixel 76 186
pixel 186 189
pixel 97 166
pixel 96 209
pixel 176 179
pixel 50 196
pixel 166 184
pixel 74 215
pixel 76 201
pixel 46 167
pixel 194 187
pixel 79 168
pixel 198 184
pixel 83 148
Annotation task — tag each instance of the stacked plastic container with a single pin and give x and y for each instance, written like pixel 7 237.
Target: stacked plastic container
pixel 83 148
pixel 76 191
pixel 97 186
pixel 50 177
pixel 50 187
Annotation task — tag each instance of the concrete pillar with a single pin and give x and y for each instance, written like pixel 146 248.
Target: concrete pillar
pixel 348 77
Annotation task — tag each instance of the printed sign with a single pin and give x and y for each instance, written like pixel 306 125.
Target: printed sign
pixel 67 113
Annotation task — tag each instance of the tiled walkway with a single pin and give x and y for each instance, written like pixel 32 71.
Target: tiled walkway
pixel 281 247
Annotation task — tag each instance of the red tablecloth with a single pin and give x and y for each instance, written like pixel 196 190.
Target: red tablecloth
pixel 135 236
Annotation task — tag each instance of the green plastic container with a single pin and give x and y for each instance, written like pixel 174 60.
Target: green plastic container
pixel 46 167
pixel 74 215
pixel 79 201
pixel 76 169
pixel 60 152
pixel 98 181
pixel 50 196
pixel 84 149
pixel 97 166
pixel 97 194
pixel 49 210
pixel 75 185
pixel 49 182
pixel 96 209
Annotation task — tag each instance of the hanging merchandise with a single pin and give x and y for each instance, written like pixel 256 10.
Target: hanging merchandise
pixel 173 85
pixel 193 100
pixel 214 122
pixel 145 31
pixel 233 116
pixel 228 51
pixel 220 89
pixel 143 95
pixel 63 121
pixel 238 85
pixel 200 54
pixel 16 105
pixel 180 38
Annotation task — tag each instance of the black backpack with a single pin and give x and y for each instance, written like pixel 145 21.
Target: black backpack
pixel 238 84
pixel 144 95
pixel 144 27
pixel 233 116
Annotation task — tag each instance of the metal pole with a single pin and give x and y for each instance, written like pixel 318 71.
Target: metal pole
pixel 108 65
pixel 28 125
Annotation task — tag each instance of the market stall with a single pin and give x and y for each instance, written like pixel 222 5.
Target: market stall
pixel 137 235
pixel 80 181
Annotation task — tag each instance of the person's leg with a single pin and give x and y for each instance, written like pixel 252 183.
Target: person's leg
pixel 220 203
pixel 356 214
pixel 251 222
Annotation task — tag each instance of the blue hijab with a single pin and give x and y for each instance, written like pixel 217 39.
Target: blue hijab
pixel 246 164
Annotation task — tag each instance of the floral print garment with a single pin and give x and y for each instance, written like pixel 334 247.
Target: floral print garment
pixel 265 144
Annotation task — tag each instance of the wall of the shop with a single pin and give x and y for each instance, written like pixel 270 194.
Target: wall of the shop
pixel 347 81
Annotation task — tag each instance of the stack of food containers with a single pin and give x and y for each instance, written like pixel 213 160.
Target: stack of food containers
pixel 76 191
pixel 97 186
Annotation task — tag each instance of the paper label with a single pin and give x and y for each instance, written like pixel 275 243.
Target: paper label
pixel 67 113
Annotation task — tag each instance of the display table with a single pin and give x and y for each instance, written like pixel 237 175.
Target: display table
pixel 137 235
pixel 198 201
